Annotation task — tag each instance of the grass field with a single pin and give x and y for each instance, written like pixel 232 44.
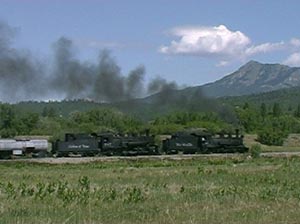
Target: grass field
pixel 199 190
pixel 291 144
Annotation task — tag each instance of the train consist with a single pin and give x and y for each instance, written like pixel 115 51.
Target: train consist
pixel 108 144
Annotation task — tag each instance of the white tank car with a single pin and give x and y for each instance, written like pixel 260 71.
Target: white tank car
pixel 37 147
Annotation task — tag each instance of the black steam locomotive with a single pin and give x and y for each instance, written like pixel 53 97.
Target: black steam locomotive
pixel 130 145
pixel 204 142
pixel 105 144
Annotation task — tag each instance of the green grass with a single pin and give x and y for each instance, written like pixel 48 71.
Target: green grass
pixel 191 191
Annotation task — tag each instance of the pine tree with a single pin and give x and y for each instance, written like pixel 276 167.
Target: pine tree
pixel 297 112
pixel 263 110
pixel 276 110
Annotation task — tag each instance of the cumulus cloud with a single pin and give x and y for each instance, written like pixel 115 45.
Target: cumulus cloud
pixel 204 41
pixel 293 60
pixel 221 43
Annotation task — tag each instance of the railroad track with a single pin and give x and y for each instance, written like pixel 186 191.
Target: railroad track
pixel 77 160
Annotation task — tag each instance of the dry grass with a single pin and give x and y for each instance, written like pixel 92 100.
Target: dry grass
pixel 291 144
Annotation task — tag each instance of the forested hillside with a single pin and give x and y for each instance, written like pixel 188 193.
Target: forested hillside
pixel 288 98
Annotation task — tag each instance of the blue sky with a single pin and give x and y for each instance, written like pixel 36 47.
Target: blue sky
pixel 190 42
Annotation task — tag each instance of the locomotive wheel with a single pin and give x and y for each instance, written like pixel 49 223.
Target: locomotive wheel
pixel 40 154
pixel 172 151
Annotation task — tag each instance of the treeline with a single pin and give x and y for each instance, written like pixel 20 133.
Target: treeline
pixel 14 122
pixel 271 123
pixel 288 98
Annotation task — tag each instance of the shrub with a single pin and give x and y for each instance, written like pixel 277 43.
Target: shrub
pixel 255 151
pixel 271 137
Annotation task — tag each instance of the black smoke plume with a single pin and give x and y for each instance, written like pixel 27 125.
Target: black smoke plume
pixel 70 77
pixel 21 76
pixel 102 82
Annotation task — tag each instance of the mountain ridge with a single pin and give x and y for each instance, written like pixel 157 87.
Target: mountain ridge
pixel 253 77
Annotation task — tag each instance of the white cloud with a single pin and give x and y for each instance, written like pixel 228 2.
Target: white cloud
pixel 221 43
pixel 205 41
pixel 264 48
pixel 222 63
pixel 293 60
pixel 295 42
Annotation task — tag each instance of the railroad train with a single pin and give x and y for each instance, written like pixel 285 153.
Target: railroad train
pixel 109 144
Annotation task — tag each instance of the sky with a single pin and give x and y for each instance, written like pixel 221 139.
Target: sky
pixel 191 42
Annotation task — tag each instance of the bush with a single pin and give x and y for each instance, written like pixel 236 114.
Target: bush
pixel 255 151
pixel 271 137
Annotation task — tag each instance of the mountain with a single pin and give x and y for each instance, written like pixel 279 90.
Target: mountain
pixel 254 77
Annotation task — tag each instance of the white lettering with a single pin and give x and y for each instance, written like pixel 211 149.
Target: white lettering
pixel 82 146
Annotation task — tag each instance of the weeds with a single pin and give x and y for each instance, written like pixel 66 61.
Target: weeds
pixel 203 191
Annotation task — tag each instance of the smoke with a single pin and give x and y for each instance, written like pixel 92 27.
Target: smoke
pixel 109 84
pixel 20 74
pixel 159 84
pixel 6 34
pixel 166 91
pixel 134 82
pixel 71 79
pixel 101 82
pixel 23 77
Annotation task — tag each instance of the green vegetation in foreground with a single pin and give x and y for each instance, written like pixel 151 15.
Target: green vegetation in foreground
pixel 194 191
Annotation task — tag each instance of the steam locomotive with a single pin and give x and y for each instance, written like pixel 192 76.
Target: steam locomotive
pixel 204 142
pixel 105 144
pixel 109 144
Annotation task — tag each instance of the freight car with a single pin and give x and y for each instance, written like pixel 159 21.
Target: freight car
pixel 21 147
pixel 204 142
pixel 105 144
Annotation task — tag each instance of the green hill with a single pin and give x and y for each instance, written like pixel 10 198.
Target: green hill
pixel 288 99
